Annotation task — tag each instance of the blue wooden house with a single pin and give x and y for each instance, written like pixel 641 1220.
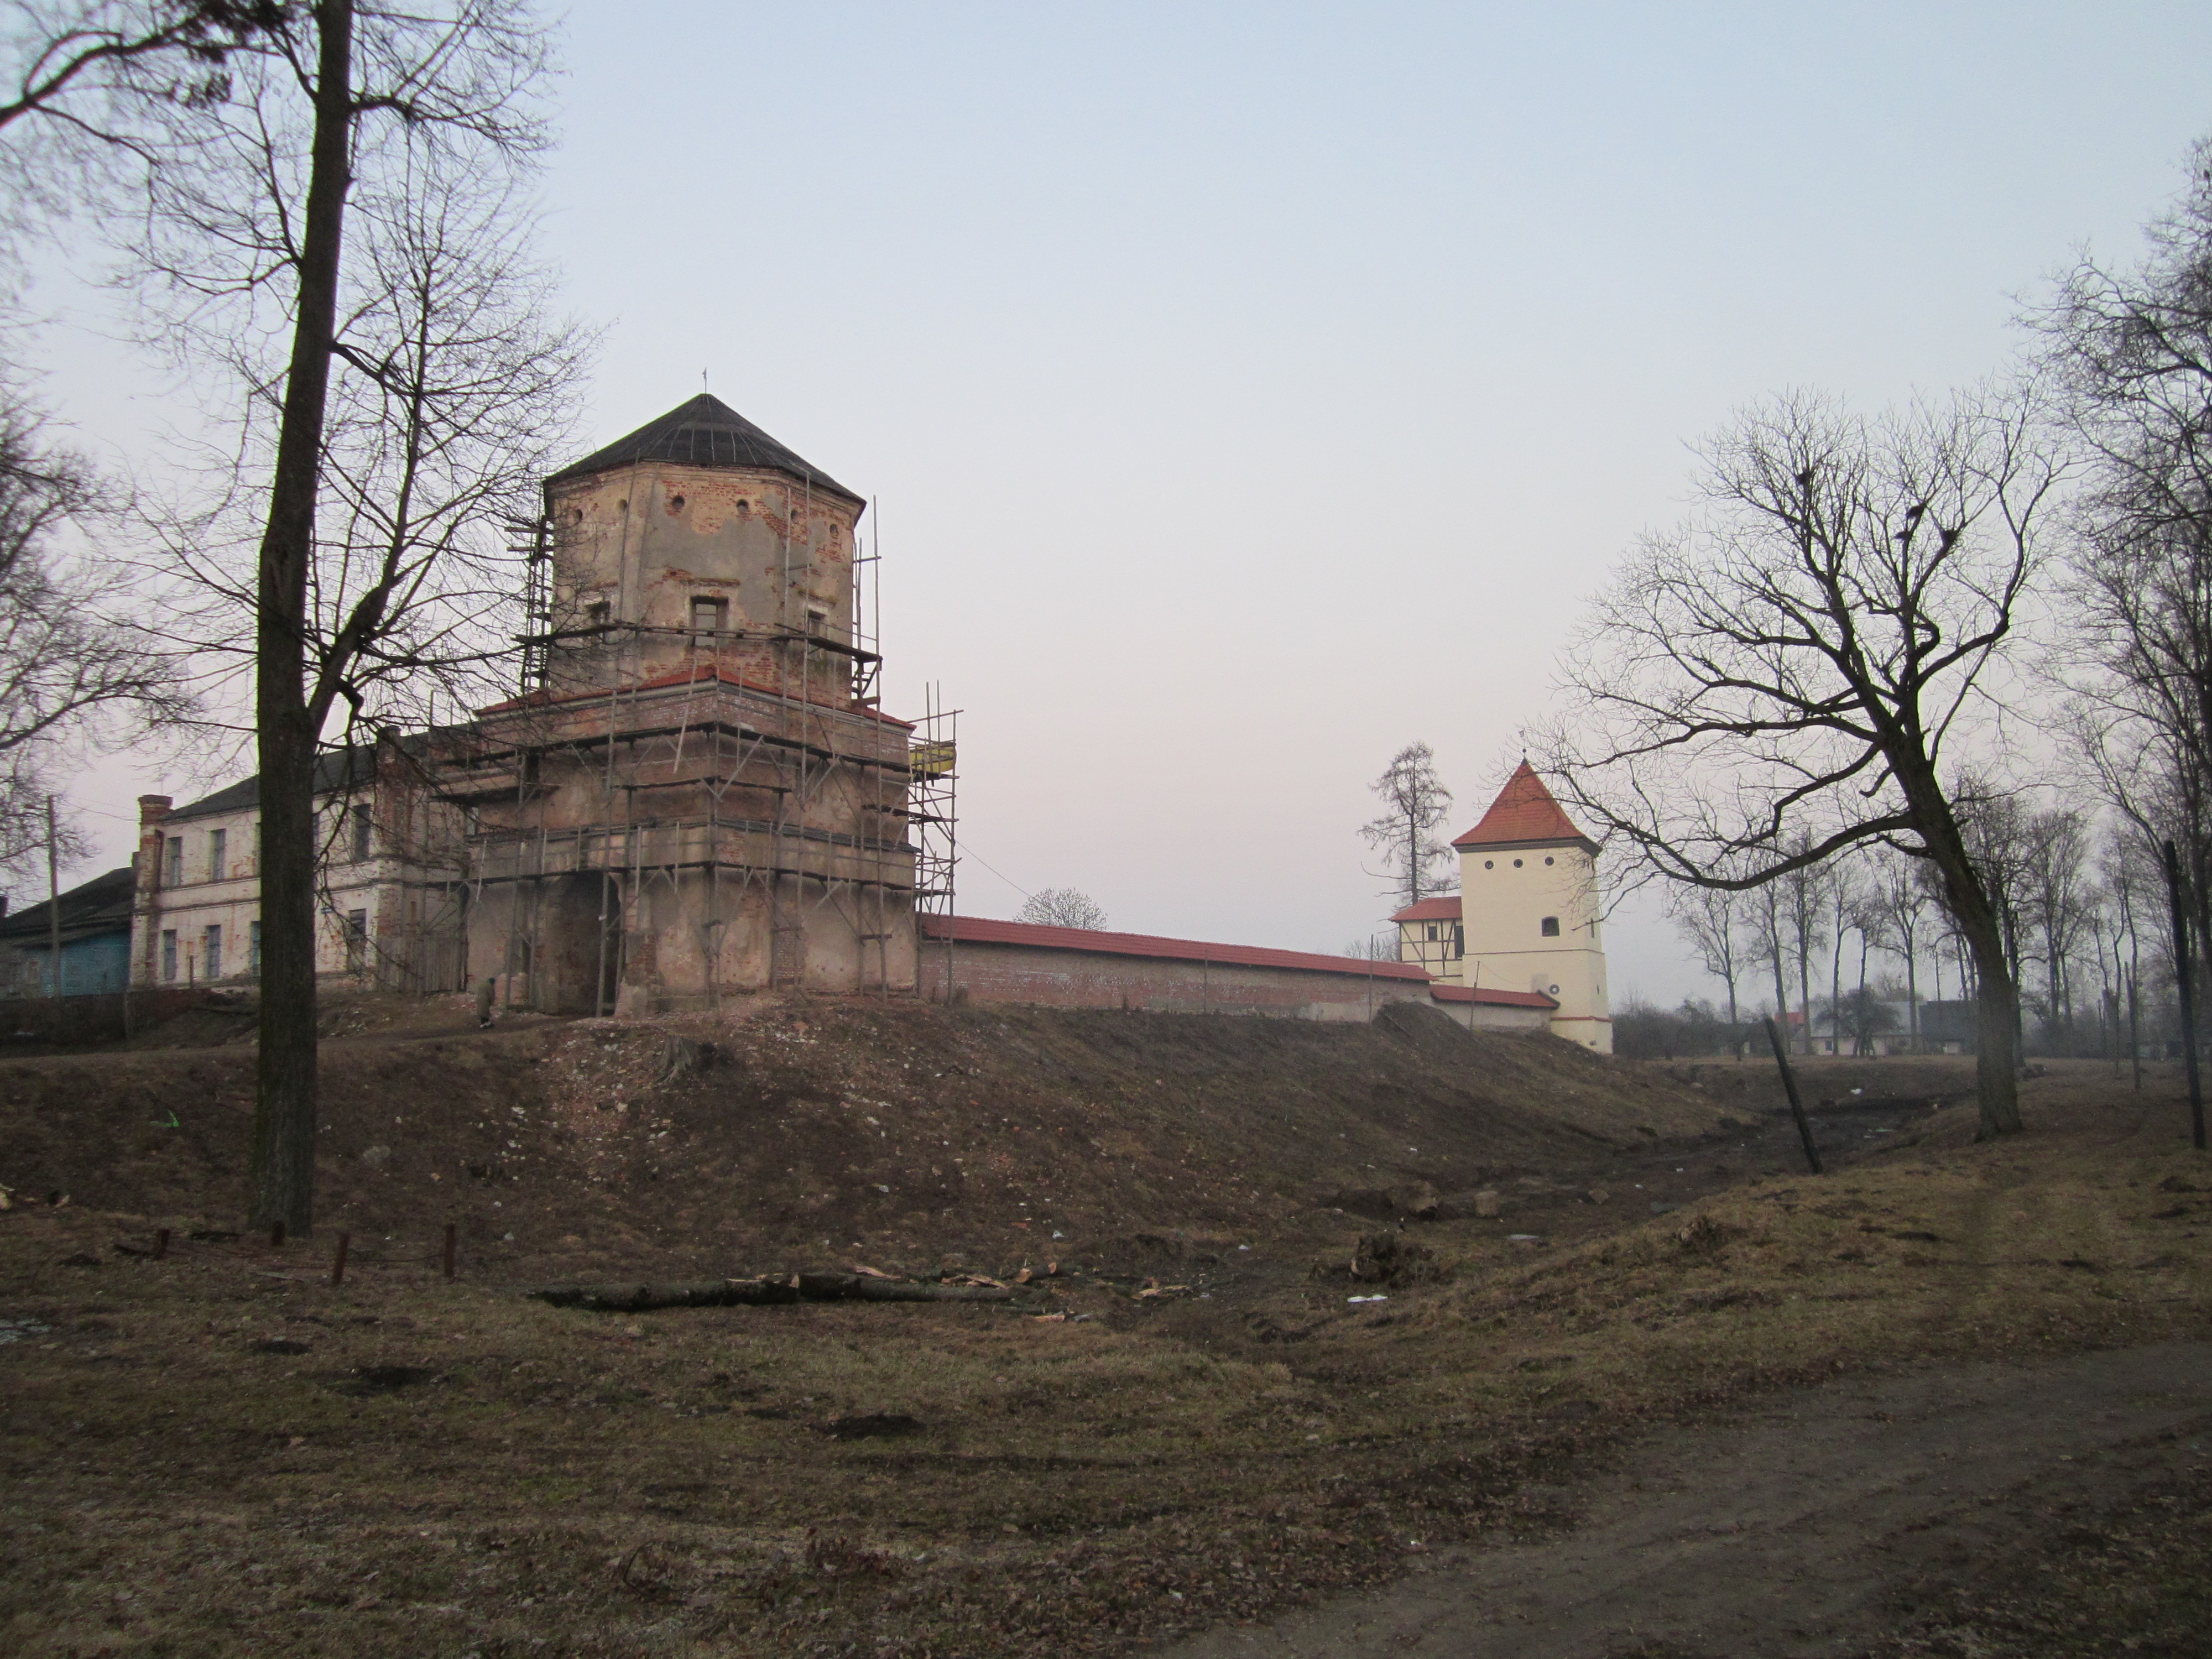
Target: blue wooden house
pixel 96 941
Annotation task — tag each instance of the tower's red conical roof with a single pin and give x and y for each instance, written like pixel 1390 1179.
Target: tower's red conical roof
pixel 1525 814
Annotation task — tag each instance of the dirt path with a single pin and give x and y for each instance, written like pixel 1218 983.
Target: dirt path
pixel 1813 1525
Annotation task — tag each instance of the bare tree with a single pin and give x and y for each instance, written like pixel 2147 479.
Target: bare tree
pixel 1795 659
pixel 2132 348
pixel 1711 919
pixel 90 67
pixel 256 263
pixel 1062 907
pixel 1804 889
pixel 2054 879
pixel 100 94
pixel 76 670
pixel 1898 902
pixel 1414 803
pixel 1769 947
pixel 1844 898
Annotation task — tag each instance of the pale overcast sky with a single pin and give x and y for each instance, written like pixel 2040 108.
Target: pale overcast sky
pixel 1250 389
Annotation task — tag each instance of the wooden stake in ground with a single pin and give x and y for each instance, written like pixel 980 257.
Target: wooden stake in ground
pixel 2181 978
pixel 1796 1105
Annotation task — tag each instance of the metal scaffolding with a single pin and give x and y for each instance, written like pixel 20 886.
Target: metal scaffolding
pixel 745 772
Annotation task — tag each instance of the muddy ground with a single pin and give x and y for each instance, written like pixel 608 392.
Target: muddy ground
pixel 1261 1377
pixel 1818 1522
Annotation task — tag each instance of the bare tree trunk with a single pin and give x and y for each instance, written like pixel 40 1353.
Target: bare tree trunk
pixel 1780 979
pixel 1996 1006
pixel 1912 995
pixel 281 1182
pixel 1862 1038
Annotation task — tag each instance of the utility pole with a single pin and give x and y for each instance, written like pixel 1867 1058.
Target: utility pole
pixel 53 902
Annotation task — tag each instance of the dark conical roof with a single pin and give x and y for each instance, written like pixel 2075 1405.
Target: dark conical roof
pixel 704 431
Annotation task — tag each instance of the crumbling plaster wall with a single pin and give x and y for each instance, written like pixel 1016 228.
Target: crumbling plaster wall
pixel 647 539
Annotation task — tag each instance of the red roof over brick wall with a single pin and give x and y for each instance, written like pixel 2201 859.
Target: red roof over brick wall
pixel 1484 994
pixel 1524 814
pixel 981 931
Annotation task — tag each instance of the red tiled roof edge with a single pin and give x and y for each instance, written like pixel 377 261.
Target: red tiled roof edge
pixel 1431 909
pixel 1524 814
pixel 980 930
pixel 1489 998
pixel 692 675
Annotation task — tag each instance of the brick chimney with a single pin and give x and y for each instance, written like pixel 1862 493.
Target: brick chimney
pixel 153 810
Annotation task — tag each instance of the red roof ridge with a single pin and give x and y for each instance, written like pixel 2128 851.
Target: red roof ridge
pixel 1486 995
pixel 1431 909
pixel 981 930
pixel 1524 814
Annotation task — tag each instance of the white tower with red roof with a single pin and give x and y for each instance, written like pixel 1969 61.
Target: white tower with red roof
pixel 1528 909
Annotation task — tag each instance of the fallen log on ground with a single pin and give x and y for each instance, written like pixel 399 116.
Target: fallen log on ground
pixel 757 1292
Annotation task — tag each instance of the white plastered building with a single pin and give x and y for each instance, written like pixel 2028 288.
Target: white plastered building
pixel 389 893
pixel 1526 917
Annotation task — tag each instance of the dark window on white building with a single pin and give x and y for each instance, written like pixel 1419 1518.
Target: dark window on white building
pixel 1550 927
pixel 218 851
pixel 211 950
pixel 168 955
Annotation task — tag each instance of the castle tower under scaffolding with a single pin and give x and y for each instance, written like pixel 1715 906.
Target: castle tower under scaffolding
pixel 695 792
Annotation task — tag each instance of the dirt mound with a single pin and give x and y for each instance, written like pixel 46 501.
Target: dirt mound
pixel 798 1128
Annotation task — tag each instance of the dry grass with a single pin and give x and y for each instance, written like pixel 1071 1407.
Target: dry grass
pixel 451 1470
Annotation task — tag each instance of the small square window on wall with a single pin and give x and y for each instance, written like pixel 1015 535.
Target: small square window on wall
pixel 709 615
pixel 1550 927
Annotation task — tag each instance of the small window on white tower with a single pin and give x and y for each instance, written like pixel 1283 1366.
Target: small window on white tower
pixel 709 615
pixel 597 613
pixel 1550 927
pixel 817 620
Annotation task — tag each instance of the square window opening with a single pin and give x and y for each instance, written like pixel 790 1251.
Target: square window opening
pixel 709 617
pixel 1550 927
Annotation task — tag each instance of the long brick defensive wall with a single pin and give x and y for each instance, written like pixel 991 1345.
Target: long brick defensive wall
pixel 1078 967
